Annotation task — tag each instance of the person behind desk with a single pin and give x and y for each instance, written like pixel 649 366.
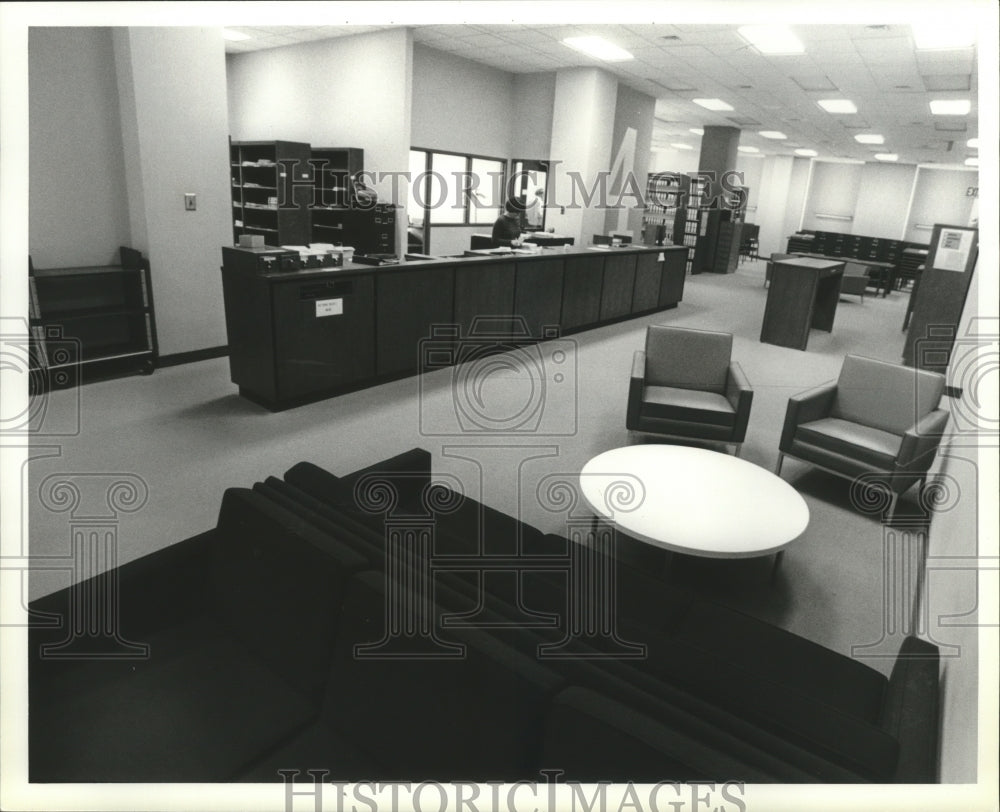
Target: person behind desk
pixel 507 228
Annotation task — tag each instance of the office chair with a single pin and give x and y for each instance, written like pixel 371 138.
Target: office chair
pixel 877 420
pixel 684 384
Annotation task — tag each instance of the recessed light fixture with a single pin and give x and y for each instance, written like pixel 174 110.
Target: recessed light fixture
pixel 697 130
pixel 807 153
pixel 869 138
pixel 772 134
pixel 599 48
pixel 951 107
pixel 942 36
pixel 972 162
pixel 772 39
pixel 886 156
pixel 234 36
pixel 972 143
pixel 838 105
pixel 681 146
pixel 712 104
pixel 748 149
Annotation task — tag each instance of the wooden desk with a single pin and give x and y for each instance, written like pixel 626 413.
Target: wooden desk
pixel 804 293
pixel 301 335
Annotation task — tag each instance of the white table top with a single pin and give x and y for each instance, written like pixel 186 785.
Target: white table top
pixel 694 501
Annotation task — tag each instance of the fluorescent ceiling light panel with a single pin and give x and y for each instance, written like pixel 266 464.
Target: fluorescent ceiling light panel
pixel 972 162
pixel 838 105
pixel 807 153
pixel 886 156
pixel 712 104
pixel 951 107
pixel 773 135
pixel 972 143
pixel 748 149
pixel 599 48
pixel 682 146
pixel 772 39
pixel 869 138
pixel 234 36
pixel 942 36
pixel 697 131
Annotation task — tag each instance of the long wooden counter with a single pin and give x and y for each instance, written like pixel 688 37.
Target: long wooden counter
pixel 299 336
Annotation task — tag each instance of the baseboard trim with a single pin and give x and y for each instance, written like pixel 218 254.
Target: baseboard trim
pixel 178 358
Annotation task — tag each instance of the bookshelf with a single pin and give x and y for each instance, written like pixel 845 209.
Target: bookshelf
pixel 91 322
pixel 663 217
pixel 272 189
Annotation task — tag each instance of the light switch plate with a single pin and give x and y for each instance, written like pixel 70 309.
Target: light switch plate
pixel 190 201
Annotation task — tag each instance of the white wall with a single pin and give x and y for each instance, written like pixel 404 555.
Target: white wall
pixel 460 105
pixel 78 214
pixel 939 198
pixel 581 140
pixel 534 98
pixel 344 92
pixel 667 159
pixel 752 167
pixel 883 197
pixel 833 191
pixel 173 119
pixel 633 111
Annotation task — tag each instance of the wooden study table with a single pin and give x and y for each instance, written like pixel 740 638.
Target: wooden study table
pixel 804 293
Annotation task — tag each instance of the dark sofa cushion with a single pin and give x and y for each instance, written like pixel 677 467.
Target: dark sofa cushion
pixel 317 747
pixel 471 710
pixel 593 737
pixel 200 715
pixel 781 687
pixel 278 582
pixel 673 403
pixel 874 446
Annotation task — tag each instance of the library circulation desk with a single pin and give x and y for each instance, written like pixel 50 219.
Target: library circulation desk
pixel 804 293
pixel 300 335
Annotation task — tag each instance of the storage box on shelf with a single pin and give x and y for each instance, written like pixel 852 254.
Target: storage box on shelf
pixel 91 322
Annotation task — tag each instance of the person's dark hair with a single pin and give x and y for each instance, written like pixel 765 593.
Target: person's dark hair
pixel 513 204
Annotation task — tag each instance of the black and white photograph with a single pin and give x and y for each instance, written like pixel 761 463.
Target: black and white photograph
pixel 466 406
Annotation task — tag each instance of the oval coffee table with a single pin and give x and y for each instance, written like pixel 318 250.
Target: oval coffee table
pixel 694 501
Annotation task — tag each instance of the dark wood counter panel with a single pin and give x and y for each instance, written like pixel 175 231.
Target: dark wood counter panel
pixel 299 336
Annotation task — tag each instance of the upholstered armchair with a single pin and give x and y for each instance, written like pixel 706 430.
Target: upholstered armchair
pixel 855 280
pixel 685 385
pixel 877 420
pixel 770 265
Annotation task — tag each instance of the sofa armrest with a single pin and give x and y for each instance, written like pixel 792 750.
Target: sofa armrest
pixel 804 407
pixel 740 396
pixel 911 709
pixel 636 383
pixel 921 441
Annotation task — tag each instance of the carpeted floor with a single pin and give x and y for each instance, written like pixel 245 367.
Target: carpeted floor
pixel 186 436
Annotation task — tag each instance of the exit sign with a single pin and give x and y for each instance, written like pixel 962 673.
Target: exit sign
pixel 972 191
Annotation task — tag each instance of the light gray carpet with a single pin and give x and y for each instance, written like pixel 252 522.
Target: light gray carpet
pixel 187 436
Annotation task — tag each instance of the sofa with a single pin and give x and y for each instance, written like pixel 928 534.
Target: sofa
pixel 275 643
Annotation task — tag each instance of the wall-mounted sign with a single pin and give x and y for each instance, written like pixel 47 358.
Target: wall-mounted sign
pixel 953 247
pixel 329 307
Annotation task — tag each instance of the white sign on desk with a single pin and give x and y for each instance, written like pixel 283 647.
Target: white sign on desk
pixel 329 307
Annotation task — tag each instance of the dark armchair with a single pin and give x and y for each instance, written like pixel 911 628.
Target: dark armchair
pixel 877 420
pixel 685 385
